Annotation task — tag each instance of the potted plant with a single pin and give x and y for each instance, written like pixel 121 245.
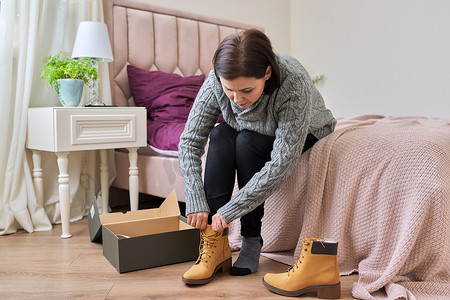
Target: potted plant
pixel 68 77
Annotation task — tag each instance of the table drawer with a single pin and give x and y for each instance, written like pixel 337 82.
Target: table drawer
pixel 93 129
pixel 71 129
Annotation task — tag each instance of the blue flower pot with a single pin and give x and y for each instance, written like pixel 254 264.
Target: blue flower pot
pixel 70 91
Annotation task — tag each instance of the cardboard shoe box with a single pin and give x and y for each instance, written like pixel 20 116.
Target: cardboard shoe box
pixel 145 238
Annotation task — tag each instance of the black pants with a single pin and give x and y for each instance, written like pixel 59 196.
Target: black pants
pixel 243 153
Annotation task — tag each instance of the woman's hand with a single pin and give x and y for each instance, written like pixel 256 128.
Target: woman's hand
pixel 219 223
pixel 198 220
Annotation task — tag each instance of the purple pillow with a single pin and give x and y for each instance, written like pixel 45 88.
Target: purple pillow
pixel 164 135
pixel 167 97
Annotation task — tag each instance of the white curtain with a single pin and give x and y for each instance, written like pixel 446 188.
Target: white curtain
pixel 29 31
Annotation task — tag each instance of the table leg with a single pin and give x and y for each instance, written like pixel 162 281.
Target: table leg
pixel 104 180
pixel 134 178
pixel 37 176
pixel 64 193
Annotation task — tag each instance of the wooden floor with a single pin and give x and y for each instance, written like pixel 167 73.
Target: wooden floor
pixel 43 266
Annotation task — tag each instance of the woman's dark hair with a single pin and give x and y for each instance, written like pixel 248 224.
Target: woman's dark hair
pixel 247 54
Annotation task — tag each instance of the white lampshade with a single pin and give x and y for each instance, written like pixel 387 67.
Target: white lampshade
pixel 92 41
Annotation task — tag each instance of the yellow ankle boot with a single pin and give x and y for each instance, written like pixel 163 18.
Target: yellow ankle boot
pixel 316 270
pixel 215 255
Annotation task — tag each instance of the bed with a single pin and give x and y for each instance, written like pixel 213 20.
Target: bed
pixel 379 185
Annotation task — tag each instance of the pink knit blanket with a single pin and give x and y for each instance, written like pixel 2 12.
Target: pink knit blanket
pixel 380 186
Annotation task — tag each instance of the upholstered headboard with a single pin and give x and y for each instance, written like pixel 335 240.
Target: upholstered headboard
pixel 156 38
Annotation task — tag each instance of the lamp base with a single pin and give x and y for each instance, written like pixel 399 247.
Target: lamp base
pixel 101 105
pixel 95 103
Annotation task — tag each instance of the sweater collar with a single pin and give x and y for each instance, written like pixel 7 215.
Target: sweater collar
pixel 238 110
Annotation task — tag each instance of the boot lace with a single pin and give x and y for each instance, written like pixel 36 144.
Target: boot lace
pixel 306 242
pixel 207 245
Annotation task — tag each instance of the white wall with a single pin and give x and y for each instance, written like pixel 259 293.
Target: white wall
pixel 274 16
pixel 379 57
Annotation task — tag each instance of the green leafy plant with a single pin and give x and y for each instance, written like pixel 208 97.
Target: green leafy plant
pixel 57 67
pixel 318 79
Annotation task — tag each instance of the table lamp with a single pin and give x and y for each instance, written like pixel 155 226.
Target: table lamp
pixel 92 41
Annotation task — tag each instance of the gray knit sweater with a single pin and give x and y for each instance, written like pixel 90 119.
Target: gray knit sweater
pixel 292 111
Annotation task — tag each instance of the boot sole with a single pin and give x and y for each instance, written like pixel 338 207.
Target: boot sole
pixel 223 267
pixel 332 291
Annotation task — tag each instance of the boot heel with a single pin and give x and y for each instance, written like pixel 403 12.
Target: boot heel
pixel 329 292
pixel 226 265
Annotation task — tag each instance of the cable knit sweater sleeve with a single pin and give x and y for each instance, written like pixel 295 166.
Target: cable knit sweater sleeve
pixel 201 120
pixel 294 114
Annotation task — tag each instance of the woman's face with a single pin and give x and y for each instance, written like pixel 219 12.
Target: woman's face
pixel 244 91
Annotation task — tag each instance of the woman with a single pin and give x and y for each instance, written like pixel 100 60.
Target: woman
pixel 272 114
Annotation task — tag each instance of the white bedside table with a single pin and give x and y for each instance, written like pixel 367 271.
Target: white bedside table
pixel 65 129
